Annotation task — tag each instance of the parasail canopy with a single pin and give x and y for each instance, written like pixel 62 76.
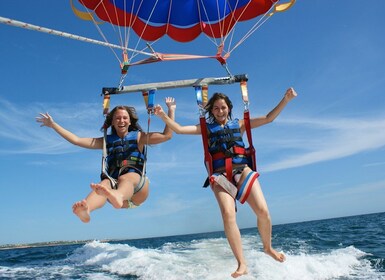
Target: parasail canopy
pixel 182 21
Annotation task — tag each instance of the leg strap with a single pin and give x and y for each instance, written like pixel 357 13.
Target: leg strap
pixel 224 183
pixel 245 188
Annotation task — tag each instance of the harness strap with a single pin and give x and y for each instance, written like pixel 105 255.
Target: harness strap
pixel 246 118
pixel 106 109
pixel 233 150
pixel 245 189
pixel 125 63
pixel 149 97
pixel 106 104
pixel 229 168
pixel 201 95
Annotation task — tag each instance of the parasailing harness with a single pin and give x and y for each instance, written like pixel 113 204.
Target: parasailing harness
pixel 201 90
pixel 116 150
pixel 210 136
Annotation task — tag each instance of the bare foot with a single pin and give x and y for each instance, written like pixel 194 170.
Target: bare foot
pixel 80 209
pixel 112 196
pixel 242 270
pixel 280 257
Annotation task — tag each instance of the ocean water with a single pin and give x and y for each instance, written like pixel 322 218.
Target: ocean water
pixel 343 248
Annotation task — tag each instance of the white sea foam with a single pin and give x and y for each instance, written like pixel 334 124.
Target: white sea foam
pixel 212 259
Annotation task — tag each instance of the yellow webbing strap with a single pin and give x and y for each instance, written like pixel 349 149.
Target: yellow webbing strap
pixel 245 95
pixel 205 91
pixel 106 104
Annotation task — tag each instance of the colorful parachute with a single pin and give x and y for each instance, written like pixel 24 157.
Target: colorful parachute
pixel 181 20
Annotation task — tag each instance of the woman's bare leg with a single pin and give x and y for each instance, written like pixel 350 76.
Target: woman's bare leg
pixel 83 208
pixel 117 197
pixel 227 206
pixel 257 202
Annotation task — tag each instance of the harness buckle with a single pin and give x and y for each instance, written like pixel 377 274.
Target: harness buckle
pixel 229 152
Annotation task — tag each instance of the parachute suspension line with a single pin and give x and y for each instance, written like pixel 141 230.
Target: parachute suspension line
pixel 122 38
pixel 127 33
pixel 123 42
pixel 116 30
pixel 255 27
pixel 221 54
pixel 126 29
pixel 220 50
pixel 221 26
pixel 125 62
pixel 126 59
pixel 212 39
pixel 232 32
pixel 218 56
pixel 232 28
pixel 98 28
pixel 220 45
pixel 148 20
pixel 168 17
pixel 143 30
pixel 126 26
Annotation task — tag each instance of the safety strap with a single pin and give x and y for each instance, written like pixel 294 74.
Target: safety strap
pixel 106 110
pixel 149 97
pixel 125 64
pixel 201 96
pixel 246 118
pixel 234 150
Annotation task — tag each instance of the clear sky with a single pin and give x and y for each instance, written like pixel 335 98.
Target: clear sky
pixel 323 157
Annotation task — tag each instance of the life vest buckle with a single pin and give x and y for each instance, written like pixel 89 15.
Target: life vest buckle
pixel 229 152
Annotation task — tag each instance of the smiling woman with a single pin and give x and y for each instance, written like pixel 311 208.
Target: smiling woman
pixel 123 180
pixel 229 159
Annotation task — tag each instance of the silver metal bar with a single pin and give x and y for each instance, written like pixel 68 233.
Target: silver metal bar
pixel 176 84
pixel 21 24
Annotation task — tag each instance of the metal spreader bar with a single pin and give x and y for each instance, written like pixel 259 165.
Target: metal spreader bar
pixel 175 84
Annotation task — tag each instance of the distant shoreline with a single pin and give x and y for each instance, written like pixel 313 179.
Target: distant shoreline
pixel 45 244
pixel 76 242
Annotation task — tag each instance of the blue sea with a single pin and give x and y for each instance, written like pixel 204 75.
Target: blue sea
pixel 341 248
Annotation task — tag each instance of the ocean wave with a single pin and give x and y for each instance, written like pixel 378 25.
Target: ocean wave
pixel 212 259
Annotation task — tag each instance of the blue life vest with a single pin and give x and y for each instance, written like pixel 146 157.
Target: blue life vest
pixel 226 142
pixel 123 152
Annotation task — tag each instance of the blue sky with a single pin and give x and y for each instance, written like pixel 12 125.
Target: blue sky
pixel 323 157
